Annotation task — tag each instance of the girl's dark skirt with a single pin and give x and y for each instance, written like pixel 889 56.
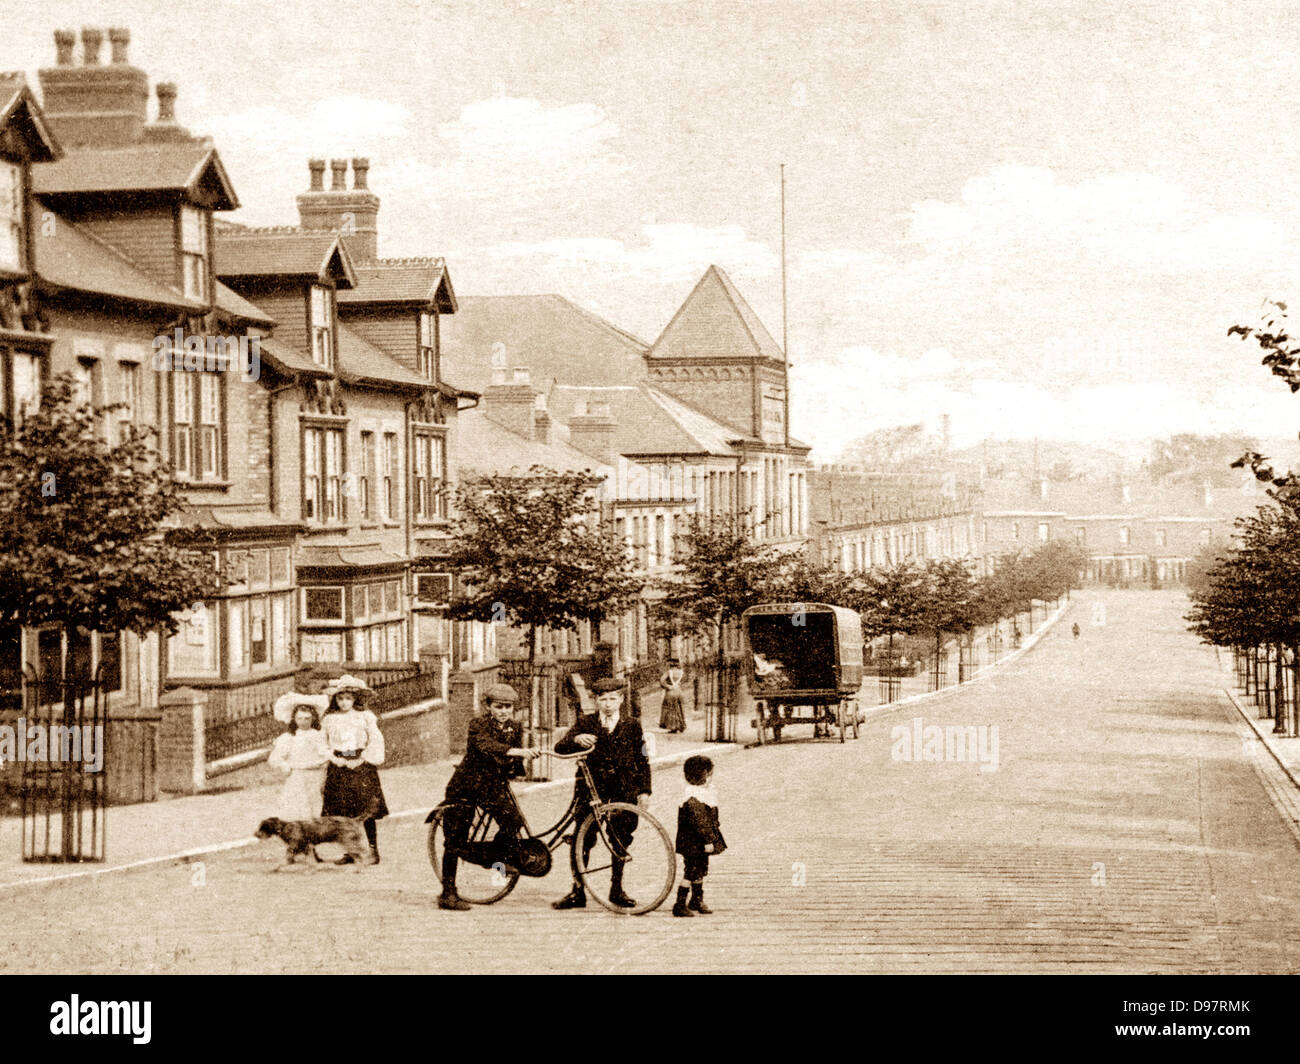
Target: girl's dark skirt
pixel 352 791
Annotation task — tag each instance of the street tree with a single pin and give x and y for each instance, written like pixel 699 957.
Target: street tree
pixel 531 551
pixel 88 540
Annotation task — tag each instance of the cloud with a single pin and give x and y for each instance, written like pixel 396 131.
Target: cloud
pixel 666 253
pixel 517 151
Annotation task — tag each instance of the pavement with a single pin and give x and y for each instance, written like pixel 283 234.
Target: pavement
pixel 1122 818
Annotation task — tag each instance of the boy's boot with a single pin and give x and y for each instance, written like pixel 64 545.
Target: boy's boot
pixel 697 900
pixel 616 894
pixel 449 899
pixel 575 899
pixel 681 909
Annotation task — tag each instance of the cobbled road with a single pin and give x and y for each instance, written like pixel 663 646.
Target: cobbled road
pixel 1128 827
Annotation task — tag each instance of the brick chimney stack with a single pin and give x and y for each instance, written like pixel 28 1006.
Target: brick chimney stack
pixel 593 432
pixel 94 105
pixel 352 212
pixel 513 405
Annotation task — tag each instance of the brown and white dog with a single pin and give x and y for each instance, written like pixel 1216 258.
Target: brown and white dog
pixel 301 836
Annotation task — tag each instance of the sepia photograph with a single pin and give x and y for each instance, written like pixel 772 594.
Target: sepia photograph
pixel 581 487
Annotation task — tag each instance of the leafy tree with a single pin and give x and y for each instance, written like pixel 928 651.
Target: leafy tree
pixel 84 541
pixel 531 552
pixel 1282 357
pixel 800 579
pixel 890 601
pixel 719 573
pixel 1192 457
pixel 950 605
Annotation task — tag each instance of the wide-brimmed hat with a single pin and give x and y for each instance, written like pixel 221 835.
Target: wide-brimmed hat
pixel 348 683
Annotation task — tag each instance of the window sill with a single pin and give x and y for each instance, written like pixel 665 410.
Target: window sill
pixel 204 485
pixel 313 528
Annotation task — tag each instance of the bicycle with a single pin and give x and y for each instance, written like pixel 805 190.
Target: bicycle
pixel 491 864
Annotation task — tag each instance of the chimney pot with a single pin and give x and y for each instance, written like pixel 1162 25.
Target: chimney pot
pixel 340 169
pixel 498 376
pixel 360 167
pixel 118 39
pixel 166 101
pixel 64 42
pixel 521 375
pixel 316 167
pixel 91 39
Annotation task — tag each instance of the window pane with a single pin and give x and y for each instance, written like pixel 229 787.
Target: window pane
pixel 238 654
pixel 11 216
pixel 280 628
pixel 259 568
pixel 376 643
pixel 257 640
pixel 194 230
pixel 359 645
pixel 324 603
pixel 318 647
pixel 360 609
pixel 280 566
pixel 192 649
pixel 392 591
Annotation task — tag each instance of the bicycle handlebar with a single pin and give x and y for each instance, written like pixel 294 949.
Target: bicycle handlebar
pixel 568 757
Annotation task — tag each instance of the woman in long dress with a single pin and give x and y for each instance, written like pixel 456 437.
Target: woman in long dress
pixel 302 754
pixel 672 717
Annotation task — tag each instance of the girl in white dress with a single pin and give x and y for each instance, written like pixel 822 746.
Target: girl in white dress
pixel 301 752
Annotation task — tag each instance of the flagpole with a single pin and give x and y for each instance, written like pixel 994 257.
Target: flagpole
pixel 785 328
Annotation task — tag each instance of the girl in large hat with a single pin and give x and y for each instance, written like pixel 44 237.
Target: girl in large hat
pixel 356 748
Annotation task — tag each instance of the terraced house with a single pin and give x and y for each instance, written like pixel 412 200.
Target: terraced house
pixel 317 464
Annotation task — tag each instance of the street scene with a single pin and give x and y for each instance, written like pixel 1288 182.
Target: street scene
pixel 1129 827
pixel 600 488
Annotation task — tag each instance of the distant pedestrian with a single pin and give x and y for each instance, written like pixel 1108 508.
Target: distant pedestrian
pixel 698 835
pixel 302 754
pixel 672 717
pixel 1075 629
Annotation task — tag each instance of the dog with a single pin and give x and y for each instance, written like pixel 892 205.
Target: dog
pixel 301 836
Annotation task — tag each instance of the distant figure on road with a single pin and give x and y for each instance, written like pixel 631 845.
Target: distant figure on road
pixel 671 716
pixel 1075 629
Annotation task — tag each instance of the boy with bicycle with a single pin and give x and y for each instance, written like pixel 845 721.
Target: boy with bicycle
pixel 621 771
pixel 493 757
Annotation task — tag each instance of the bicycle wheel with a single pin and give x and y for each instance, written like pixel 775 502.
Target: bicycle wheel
pixel 648 861
pixel 474 883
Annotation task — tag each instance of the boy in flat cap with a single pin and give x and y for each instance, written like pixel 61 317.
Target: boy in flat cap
pixel 493 757
pixel 621 771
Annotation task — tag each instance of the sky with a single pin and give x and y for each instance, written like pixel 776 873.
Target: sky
pixel 1037 218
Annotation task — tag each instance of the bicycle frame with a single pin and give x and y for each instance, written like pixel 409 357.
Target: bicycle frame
pixel 569 817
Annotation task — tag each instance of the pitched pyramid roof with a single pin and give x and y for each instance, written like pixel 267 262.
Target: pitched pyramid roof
pixel 715 322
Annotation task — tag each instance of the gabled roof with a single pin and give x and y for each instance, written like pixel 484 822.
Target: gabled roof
pixel 362 361
pixel 421 281
pixel 646 420
pixel 715 322
pixel 180 168
pixel 557 340
pixel 237 306
pixel 20 111
pixel 72 258
pixel 487 446
pixel 282 252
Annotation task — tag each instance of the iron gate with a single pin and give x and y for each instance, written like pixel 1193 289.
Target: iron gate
pixel 64 792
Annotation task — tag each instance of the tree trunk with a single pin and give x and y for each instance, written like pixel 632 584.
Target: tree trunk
pixel 1279 694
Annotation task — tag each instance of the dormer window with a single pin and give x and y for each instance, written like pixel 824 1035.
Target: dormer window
pixel 11 217
pixel 428 347
pixel 322 326
pixel 194 253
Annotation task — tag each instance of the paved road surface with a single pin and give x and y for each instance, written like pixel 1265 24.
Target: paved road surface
pixel 1128 828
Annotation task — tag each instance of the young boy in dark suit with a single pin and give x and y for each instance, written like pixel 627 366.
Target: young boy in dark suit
pixel 698 835
pixel 621 771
